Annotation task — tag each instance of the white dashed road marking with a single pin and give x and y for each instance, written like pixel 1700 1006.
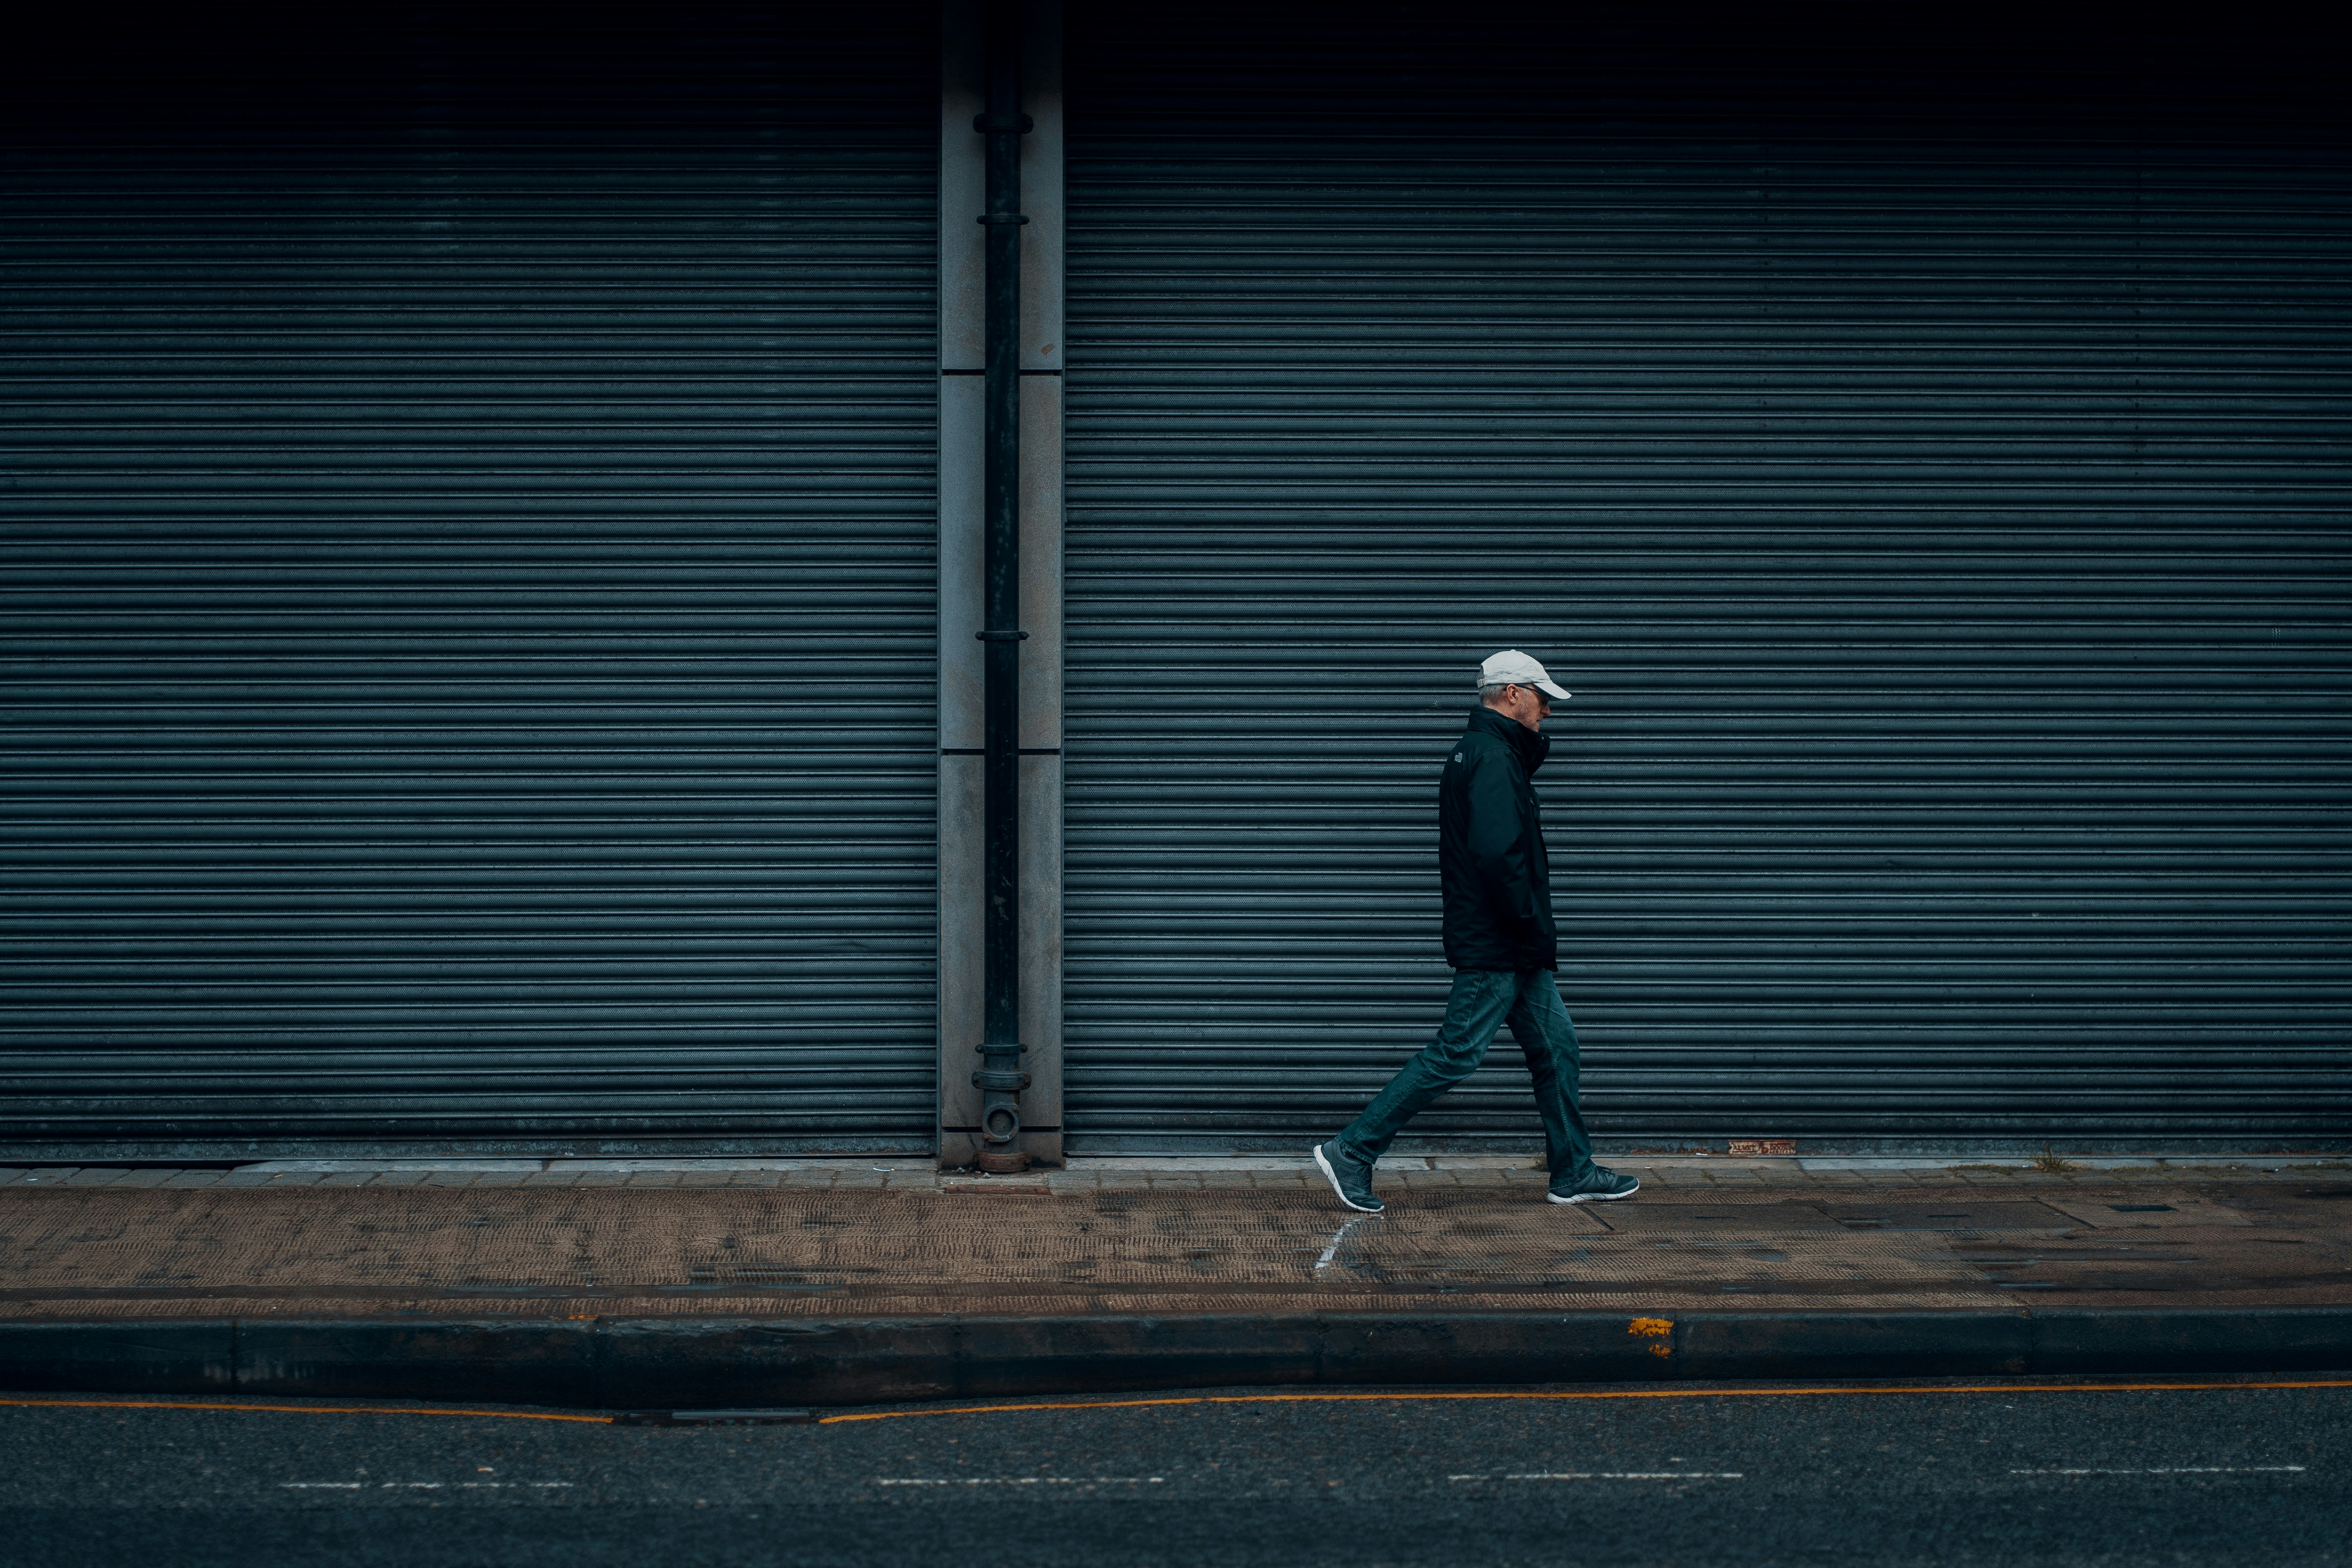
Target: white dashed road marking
pixel 2179 1470
pixel 416 1486
pixel 1021 1481
pixel 1612 1476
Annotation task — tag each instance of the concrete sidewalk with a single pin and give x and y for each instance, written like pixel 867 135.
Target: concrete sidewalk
pixel 620 1282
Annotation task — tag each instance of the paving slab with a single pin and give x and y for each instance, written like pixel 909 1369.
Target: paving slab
pixel 451 1163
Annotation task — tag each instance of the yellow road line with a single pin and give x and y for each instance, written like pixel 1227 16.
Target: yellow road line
pixel 1205 1399
pixel 1605 1393
pixel 293 1409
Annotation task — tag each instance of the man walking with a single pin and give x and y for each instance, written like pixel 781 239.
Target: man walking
pixel 1499 939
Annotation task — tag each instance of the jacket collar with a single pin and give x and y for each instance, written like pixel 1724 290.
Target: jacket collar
pixel 1530 747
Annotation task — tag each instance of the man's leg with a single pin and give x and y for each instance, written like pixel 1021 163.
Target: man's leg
pixel 1541 1026
pixel 1473 1013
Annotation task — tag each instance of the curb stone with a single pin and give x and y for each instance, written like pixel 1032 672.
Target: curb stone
pixel 645 1364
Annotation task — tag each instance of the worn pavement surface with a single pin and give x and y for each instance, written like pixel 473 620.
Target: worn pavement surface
pixel 833 1239
pixel 1995 1473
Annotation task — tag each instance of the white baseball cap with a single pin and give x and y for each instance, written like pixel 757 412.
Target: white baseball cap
pixel 1512 668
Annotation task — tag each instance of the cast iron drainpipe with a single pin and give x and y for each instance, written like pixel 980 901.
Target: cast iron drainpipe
pixel 1000 1078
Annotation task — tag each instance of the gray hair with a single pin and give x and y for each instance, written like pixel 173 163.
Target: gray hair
pixel 1488 694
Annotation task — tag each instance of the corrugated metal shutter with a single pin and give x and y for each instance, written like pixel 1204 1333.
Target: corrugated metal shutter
pixel 469 583
pixel 1933 497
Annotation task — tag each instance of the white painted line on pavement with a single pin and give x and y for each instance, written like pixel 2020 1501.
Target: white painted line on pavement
pixel 416 1486
pixel 1612 1476
pixel 1337 1237
pixel 2179 1470
pixel 1022 1481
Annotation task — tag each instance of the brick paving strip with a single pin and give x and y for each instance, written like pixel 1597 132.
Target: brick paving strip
pixel 812 1238
pixel 1135 1260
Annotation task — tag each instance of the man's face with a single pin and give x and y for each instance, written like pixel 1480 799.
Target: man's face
pixel 1527 705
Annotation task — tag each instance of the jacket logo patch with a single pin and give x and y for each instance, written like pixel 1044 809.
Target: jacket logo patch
pixel 1457 756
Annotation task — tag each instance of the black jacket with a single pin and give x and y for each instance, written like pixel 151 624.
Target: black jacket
pixel 1490 850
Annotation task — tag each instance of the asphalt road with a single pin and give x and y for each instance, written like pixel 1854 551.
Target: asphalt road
pixel 2018 1474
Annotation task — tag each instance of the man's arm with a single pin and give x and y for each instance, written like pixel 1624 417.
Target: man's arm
pixel 1498 840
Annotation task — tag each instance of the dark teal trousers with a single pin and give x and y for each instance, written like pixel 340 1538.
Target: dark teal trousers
pixel 1481 1003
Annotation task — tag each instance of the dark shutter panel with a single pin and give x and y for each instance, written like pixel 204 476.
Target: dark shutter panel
pixel 469 587
pixel 1928 478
